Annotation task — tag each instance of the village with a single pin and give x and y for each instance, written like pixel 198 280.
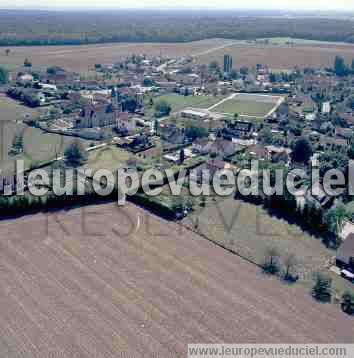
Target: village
pixel 176 179
pixel 154 112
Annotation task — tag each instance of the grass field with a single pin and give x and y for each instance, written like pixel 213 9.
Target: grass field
pixel 248 230
pixel 11 110
pixel 245 108
pixel 38 146
pixel 102 281
pixel 111 158
pixel 179 102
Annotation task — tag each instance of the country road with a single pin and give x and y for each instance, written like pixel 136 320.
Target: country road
pixel 213 49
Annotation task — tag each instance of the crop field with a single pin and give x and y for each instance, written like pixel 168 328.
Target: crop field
pixel 278 56
pixel 248 230
pixel 84 57
pixel 282 56
pixel 247 105
pixel 103 281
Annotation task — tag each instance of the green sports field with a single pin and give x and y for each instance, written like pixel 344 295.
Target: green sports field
pixel 178 102
pixel 245 108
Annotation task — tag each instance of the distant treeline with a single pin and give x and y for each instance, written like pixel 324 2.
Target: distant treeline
pixel 76 28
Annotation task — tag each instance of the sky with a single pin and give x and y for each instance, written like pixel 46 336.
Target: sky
pixel 340 5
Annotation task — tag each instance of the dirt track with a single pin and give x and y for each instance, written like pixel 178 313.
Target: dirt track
pixel 100 281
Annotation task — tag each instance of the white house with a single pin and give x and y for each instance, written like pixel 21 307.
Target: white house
pixel 25 78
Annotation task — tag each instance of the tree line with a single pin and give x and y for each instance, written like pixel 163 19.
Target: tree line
pixel 75 28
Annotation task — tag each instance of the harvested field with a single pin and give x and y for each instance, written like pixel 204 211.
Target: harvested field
pixel 81 58
pixel 103 282
pixel 282 56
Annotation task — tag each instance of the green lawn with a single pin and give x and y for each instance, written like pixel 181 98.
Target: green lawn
pixel 38 146
pixel 9 67
pixel 111 158
pixel 11 110
pixel 179 102
pixel 249 231
pixel 244 107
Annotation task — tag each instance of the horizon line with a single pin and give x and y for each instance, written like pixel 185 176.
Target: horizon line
pixel 181 9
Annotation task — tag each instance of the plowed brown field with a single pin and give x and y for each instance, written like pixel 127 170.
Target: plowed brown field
pixel 107 282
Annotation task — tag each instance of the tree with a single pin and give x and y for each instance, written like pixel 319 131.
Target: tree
pixel 233 75
pixel 340 68
pixel 4 76
pixel 156 126
pixel 214 66
pixel 302 151
pixel 194 132
pixel 290 263
pixel 271 261
pixel 27 63
pixel 352 67
pixel 148 82
pixel 244 71
pixel 17 143
pixel 272 77
pixel 351 151
pixel 162 108
pixel 129 105
pixel 75 154
pixel 181 156
pixel 321 290
pixel 266 136
pixel 53 70
pixel 350 102
pixel 334 218
pixel 347 303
